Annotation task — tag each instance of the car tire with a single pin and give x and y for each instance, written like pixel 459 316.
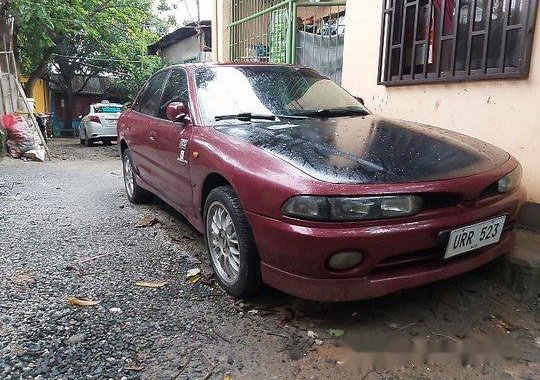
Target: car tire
pixel 89 142
pixel 236 262
pixel 107 142
pixel 82 141
pixel 135 193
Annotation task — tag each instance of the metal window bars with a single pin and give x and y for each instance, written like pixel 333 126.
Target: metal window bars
pixel 453 40
pixel 289 31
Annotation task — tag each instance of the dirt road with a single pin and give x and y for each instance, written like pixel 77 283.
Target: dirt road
pixel 67 230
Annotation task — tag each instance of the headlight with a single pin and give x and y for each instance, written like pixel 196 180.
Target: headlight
pixel 511 181
pixel 351 209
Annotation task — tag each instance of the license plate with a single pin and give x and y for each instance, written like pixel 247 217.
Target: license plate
pixel 474 236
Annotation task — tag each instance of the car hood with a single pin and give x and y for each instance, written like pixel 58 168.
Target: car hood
pixel 370 149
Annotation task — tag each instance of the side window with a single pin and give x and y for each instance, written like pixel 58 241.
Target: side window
pixel 150 98
pixel 175 91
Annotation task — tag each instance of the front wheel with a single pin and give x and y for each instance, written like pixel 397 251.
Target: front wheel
pixel 135 193
pixel 231 245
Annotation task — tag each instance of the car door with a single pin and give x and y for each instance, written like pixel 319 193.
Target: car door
pixel 140 123
pixel 171 141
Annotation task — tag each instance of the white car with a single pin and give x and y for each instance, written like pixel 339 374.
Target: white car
pixel 100 123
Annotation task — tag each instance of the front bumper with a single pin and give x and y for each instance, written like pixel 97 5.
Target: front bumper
pixel 398 254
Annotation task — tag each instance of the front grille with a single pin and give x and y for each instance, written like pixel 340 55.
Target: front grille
pixel 407 260
pixel 432 201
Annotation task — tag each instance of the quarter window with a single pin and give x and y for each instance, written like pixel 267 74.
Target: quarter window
pixel 449 40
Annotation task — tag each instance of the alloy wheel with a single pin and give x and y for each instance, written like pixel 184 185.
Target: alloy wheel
pixel 128 175
pixel 223 243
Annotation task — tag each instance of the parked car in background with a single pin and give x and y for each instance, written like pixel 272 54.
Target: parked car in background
pixel 294 183
pixel 99 124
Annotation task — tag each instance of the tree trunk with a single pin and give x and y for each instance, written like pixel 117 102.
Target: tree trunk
pixel 68 114
pixel 38 72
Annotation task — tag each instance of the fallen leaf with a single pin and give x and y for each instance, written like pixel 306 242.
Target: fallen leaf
pixel 227 377
pixel 312 334
pixel 288 316
pixel 193 272
pixel 318 342
pixel 151 284
pixel 137 368
pixel 81 301
pixel 194 275
pixel 253 311
pixel 336 332
pixel 147 221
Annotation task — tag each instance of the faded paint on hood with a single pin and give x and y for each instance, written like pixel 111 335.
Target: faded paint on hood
pixel 370 149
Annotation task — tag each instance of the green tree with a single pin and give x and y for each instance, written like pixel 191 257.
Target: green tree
pixel 83 38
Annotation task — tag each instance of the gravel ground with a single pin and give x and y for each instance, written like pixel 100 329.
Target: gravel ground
pixel 67 230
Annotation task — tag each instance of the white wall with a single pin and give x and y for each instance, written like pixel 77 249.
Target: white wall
pixel 505 113
pixel 182 51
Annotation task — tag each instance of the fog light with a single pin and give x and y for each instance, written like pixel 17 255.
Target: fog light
pixel 345 260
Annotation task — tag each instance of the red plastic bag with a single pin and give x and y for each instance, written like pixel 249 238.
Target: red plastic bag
pixel 20 135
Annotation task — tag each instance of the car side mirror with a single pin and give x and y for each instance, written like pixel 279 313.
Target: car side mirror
pixel 360 100
pixel 177 111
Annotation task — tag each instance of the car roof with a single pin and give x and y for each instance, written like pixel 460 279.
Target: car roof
pixel 229 64
pixel 106 104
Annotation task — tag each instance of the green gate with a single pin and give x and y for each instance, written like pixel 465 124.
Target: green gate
pixel 289 31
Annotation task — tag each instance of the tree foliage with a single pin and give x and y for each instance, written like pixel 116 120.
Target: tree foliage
pixel 84 37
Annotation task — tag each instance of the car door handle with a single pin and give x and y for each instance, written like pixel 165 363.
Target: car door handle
pixel 152 137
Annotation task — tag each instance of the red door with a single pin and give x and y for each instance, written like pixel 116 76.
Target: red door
pixel 139 126
pixel 171 147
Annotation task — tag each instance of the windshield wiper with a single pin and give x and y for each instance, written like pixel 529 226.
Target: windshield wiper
pixel 325 113
pixel 248 116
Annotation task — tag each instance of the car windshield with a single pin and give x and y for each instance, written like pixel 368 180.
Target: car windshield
pixel 108 109
pixel 270 90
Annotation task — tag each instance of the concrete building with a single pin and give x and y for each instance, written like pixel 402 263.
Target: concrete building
pixel 184 45
pixel 422 60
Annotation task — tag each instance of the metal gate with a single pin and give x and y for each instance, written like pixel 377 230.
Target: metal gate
pixel 291 31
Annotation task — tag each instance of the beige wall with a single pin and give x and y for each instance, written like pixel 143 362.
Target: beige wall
pixel 505 113
pixel 220 38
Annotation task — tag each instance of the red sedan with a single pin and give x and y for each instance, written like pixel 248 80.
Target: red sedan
pixel 295 184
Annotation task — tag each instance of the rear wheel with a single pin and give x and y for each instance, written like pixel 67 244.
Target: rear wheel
pixel 135 193
pixel 231 245
pixel 107 142
pixel 89 142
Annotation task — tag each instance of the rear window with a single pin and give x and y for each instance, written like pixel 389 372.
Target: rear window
pixel 108 109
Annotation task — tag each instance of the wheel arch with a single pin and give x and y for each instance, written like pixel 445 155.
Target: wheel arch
pixel 123 146
pixel 212 181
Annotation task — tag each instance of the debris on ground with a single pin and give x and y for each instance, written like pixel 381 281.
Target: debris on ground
pixel 22 140
pixel 194 275
pixel 336 332
pixel 81 301
pixel 147 221
pixel 151 284
pixel 136 368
